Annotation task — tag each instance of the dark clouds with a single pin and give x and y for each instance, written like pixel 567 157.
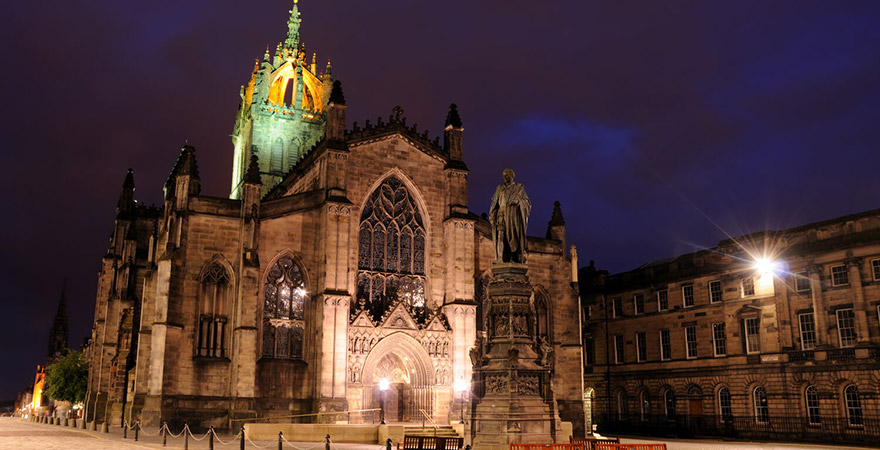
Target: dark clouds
pixel 650 121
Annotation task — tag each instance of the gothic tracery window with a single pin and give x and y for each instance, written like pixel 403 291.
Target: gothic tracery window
pixel 391 251
pixel 284 299
pixel 213 312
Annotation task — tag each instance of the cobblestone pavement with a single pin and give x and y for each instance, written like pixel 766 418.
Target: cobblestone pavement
pixel 21 434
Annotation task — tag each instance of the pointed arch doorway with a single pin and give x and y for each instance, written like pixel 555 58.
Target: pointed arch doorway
pixel 402 362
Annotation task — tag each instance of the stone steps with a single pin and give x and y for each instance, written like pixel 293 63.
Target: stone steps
pixel 428 430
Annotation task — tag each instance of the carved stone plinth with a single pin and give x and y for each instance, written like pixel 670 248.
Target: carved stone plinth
pixel 515 400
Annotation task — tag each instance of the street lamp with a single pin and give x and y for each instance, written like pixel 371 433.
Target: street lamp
pixel 384 384
pixel 462 386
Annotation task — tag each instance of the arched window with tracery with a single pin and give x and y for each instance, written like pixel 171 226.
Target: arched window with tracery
pixel 811 402
pixel 284 300
pixel 724 406
pixel 542 316
pixel 669 404
pixel 645 405
pixel 391 251
pixel 853 406
pixel 213 307
pixel 762 408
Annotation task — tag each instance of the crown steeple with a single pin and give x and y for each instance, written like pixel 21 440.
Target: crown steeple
pixel 292 41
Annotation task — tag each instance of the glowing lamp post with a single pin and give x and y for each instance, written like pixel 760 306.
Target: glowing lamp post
pixel 462 386
pixel 384 384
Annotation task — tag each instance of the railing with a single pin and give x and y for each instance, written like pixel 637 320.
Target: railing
pixel 834 429
pixel 577 446
pixel 426 416
pixel 592 442
pixel 803 356
pixel 842 354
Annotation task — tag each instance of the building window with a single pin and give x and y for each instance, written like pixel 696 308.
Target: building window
pixel 753 337
pixel 724 406
pixel 621 405
pixel 719 338
pixel 811 401
pixel 618 349
pixel 669 403
pixel 846 327
pixel 616 307
pixel 639 303
pixel 662 300
pixel 665 345
pixel 762 410
pixel 645 405
pixel 590 350
pixel 213 312
pixel 808 331
pixel 875 269
pixel 641 347
pixel 284 299
pixel 391 252
pixel 690 337
pixel 802 282
pixel 839 276
pixel 687 292
pixel 748 287
pixel 853 406
pixel 715 291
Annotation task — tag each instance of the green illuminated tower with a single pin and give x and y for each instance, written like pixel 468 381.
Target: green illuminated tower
pixel 281 115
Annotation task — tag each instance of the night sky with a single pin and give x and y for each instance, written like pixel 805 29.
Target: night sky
pixel 659 125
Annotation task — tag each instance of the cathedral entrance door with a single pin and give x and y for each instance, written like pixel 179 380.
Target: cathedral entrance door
pixel 400 364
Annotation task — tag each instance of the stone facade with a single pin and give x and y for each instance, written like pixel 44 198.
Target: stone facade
pixel 773 334
pixel 361 264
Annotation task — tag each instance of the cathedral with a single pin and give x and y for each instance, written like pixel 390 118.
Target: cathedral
pixel 345 273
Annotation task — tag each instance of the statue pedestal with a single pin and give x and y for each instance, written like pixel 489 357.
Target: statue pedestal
pixel 515 401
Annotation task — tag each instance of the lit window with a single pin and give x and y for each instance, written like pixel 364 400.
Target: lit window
pixel 665 345
pixel 875 269
pixel 748 286
pixel 719 338
pixel 639 303
pixel 762 409
pixel 690 336
pixel 687 292
pixel 724 405
pixel 846 327
pixel 641 347
pixel 839 276
pixel 853 406
pixel 753 338
pixel 808 331
pixel 645 405
pixel 618 349
pixel 811 401
pixel 715 291
pixel 669 403
pixel 616 307
pixel 802 281
pixel 662 300
pixel 284 298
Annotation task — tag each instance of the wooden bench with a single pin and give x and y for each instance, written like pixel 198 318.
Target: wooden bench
pixel 593 441
pixel 629 447
pixel 578 446
pixel 431 443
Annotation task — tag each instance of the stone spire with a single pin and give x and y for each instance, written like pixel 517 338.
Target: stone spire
pixel 125 205
pixel 452 117
pixel 252 176
pixel 556 225
pixel 292 41
pixel 452 134
pixel 59 334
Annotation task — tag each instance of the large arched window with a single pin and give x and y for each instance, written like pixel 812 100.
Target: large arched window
pixel 669 403
pixel 645 405
pixel 762 408
pixel 811 402
pixel 213 312
pixel 621 405
pixel 284 299
pixel 542 316
pixel 724 408
pixel 853 405
pixel 391 251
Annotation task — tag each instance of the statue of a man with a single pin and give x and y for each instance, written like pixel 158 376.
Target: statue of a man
pixel 509 215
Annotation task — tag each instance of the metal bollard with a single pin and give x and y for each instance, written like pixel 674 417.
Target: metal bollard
pixel 164 434
pixel 327 444
pixel 137 427
pixel 279 440
pixel 211 438
pixel 242 437
pixel 124 430
pixel 105 428
pixel 467 447
pixel 185 436
pixel 388 444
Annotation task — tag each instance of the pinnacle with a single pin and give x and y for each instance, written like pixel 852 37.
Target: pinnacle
pixel 452 118
pixel 252 176
pixel 336 95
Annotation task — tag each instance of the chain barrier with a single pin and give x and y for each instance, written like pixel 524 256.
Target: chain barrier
pixel 194 436
pixel 168 430
pixel 301 448
pixel 145 433
pixel 254 444
pixel 234 438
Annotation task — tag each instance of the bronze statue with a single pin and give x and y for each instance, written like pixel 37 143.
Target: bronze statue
pixel 509 215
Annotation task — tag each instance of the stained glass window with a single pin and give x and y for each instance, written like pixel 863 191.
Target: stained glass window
pixel 284 298
pixel 391 251
pixel 213 312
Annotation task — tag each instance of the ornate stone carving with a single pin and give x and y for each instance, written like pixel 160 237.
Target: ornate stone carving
pixel 339 210
pixel 546 352
pixel 497 384
pixel 528 385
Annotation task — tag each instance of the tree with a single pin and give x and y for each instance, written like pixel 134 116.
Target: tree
pixel 67 378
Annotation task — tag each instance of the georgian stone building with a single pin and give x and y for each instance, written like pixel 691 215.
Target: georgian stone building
pixel 770 335
pixel 343 257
